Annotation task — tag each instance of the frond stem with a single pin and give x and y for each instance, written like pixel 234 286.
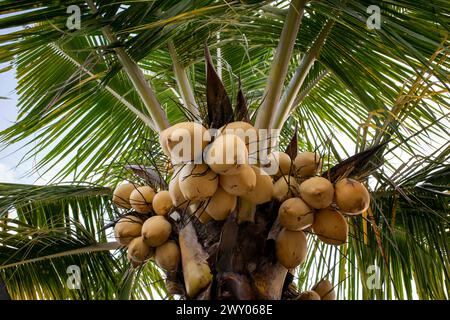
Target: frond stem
pixel 136 76
pixel 280 63
pixel 183 83
pixel 287 101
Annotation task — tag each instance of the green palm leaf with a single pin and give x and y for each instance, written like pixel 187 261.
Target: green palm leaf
pixel 79 108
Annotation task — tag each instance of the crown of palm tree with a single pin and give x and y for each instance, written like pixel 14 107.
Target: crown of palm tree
pixel 95 98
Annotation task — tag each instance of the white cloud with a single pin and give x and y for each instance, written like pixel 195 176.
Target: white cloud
pixel 6 174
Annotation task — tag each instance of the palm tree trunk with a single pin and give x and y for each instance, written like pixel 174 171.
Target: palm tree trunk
pixel 241 257
pixel 136 76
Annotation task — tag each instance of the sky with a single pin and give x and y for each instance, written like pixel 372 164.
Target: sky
pixel 10 157
pixel 9 171
pixel 12 169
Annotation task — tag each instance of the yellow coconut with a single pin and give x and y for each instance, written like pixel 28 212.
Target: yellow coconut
pixel 282 161
pixel 156 230
pixel 221 205
pixel 330 227
pixel 168 256
pixel 241 183
pixel 264 188
pixel 244 130
pixel 198 182
pixel 286 187
pixel 290 248
pixel 141 199
pixel 325 290
pixel 163 141
pixel 162 203
pixel 176 195
pixel 352 196
pixel 317 192
pixel 138 250
pixel 127 228
pixel 294 214
pixel 309 295
pixel 121 195
pixel 134 263
pixel 227 154
pixel 307 164
pixel 184 141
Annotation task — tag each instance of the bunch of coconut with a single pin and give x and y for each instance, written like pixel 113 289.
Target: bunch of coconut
pixel 146 232
pixel 309 201
pixel 211 176
pixel 323 290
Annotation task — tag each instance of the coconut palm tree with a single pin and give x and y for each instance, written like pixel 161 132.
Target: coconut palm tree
pixel 333 74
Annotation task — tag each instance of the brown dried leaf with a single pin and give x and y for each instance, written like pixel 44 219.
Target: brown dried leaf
pixel 217 100
pixel 292 148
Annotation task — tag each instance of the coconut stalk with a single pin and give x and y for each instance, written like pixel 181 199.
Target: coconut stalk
pixel 280 63
pixel 287 100
pixel 246 211
pixel 196 271
pixel 136 76
pixel 183 83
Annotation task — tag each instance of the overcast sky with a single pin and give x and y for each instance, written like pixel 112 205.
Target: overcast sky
pixel 10 157
pixel 11 167
pixel 9 171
